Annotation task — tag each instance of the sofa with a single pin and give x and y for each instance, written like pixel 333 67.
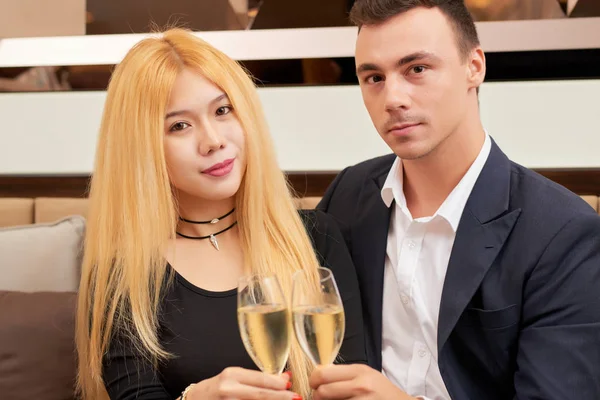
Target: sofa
pixel 40 255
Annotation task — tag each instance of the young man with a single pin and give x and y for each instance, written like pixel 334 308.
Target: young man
pixel 480 279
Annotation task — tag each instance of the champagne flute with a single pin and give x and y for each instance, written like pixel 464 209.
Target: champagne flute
pixel 264 322
pixel 318 315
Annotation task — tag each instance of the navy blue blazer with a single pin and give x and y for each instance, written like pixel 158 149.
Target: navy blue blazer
pixel 520 309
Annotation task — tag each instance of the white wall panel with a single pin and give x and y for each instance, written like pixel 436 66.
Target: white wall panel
pixel 538 124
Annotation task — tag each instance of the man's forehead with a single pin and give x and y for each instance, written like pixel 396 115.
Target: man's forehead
pixel 405 34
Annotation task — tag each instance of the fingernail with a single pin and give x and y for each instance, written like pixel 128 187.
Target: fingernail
pixel 297 397
pixel 289 373
pixel 288 385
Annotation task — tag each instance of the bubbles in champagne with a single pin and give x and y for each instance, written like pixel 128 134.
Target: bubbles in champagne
pixel 265 333
pixel 320 331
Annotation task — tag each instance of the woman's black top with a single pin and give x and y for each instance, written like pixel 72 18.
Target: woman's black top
pixel 199 328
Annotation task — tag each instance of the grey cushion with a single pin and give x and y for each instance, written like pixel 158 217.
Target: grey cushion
pixel 42 257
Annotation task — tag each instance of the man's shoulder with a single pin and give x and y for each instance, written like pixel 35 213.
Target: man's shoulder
pixel 316 222
pixel 343 196
pixel 369 169
pixel 375 165
pixel 530 188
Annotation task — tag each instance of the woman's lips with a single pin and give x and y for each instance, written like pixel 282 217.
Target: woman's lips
pixel 220 169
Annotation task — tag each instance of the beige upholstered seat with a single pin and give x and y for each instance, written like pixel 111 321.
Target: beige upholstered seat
pixel 592 201
pixel 24 211
pixel 49 209
pixel 16 211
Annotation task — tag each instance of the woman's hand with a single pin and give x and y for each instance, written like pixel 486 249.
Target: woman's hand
pixel 243 384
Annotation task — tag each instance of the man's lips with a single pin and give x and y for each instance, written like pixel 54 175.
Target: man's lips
pixel 400 128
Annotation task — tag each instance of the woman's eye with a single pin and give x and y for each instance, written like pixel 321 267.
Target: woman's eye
pixel 224 110
pixel 179 126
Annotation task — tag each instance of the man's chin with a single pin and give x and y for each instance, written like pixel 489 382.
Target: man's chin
pixel 410 150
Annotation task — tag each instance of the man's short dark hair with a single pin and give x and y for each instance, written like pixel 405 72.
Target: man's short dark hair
pixel 374 12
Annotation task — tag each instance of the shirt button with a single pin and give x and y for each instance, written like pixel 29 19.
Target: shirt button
pixel 404 299
pixel 422 353
pixel 411 245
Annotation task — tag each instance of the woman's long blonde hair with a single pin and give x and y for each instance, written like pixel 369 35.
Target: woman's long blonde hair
pixel 133 212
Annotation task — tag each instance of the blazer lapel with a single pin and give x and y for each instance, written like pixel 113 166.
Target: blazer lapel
pixel 482 231
pixel 369 242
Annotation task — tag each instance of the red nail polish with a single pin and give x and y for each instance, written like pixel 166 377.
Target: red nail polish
pixel 297 397
pixel 289 373
pixel 288 386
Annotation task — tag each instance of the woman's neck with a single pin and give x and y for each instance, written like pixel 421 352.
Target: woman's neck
pixel 202 210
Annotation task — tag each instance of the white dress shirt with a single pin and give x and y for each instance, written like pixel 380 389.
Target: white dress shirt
pixel 417 255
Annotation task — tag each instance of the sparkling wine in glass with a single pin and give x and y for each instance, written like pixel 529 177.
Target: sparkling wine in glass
pixel 264 322
pixel 318 315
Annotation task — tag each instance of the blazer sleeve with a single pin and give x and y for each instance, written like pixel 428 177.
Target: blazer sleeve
pixel 559 345
pixel 332 253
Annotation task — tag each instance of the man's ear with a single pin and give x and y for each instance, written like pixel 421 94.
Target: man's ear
pixel 476 67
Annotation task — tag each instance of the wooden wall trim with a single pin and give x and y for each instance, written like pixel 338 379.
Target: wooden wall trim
pixel 583 181
pixel 580 181
pixel 44 186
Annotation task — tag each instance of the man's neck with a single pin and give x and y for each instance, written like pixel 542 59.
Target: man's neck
pixel 429 180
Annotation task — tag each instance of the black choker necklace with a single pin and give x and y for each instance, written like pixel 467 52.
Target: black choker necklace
pixel 212 221
pixel 212 237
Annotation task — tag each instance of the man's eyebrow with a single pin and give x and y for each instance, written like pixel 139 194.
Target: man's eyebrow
pixel 419 55
pixel 416 56
pixel 367 67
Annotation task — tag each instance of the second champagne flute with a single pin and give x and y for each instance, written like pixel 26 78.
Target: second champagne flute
pixel 264 322
pixel 318 315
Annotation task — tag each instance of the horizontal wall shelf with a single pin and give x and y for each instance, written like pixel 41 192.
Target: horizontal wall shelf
pixel 502 36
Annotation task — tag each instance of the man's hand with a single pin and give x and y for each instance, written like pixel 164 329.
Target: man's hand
pixel 353 382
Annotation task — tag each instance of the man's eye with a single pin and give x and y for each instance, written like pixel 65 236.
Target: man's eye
pixel 374 79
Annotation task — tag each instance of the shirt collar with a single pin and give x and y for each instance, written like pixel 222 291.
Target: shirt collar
pixel 452 208
pixel 392 188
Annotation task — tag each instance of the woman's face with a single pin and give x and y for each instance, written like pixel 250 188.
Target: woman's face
pixel 204 140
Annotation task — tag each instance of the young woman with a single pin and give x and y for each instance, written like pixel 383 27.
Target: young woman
pixel 186 198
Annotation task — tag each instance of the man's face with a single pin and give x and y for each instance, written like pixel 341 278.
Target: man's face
pixel 415 83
